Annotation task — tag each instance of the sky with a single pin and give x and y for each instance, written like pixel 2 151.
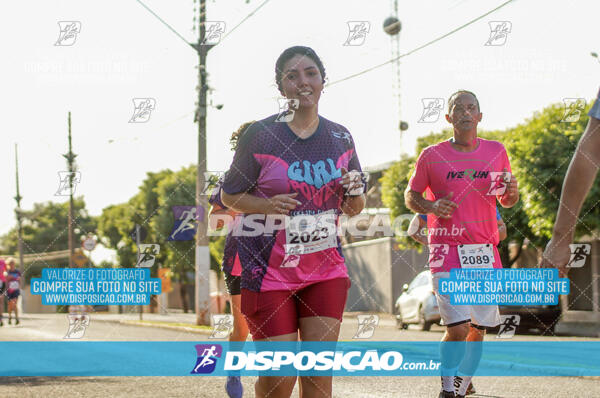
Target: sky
pixel 123 52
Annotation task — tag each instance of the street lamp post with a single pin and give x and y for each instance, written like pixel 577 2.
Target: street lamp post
pixel 19 215
pixel 70 156
pixel 202 255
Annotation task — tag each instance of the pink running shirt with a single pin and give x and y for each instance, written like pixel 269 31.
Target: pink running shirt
pixel 441 169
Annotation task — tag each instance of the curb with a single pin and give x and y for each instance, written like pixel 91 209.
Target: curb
pixel 158 325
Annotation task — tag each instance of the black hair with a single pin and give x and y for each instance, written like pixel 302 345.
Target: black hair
pixel 235 137
pixel 456 94
pixel 291 53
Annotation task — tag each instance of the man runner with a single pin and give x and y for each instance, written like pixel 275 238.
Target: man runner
pixel 418 232
pixel 456 176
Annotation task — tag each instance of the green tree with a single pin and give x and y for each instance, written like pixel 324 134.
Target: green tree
pixel 179 189
pixel 45 228
pixel 540 150
pixel 114 225
pixel 393 184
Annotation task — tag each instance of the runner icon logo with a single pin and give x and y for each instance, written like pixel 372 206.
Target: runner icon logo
pixel 499 31
pixel 500 179
pixel 579 253
pixel 147 255
pixel 574 108
pixel 68 182
pixel 287 108
pixel 432 109
pixel 68 33
pixel 212 35
pixel 508 327
pixel 357 33
pixel 212 179
pixel 186 218
pixel 142 107
pixel 366 326
pixel 222 326
pixel 207 358
pixel 342 135
pixel 437 253
pixel 77 325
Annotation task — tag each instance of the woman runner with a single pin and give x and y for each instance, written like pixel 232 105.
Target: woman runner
pixel 13 290
pixel 232 270
pixel 296 167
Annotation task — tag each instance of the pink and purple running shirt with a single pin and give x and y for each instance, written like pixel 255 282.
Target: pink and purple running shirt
pixel 231 260
pixel 271 160
pixel 441 170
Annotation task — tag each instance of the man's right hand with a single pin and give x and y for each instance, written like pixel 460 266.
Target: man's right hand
pixel 444 207
pixel 557 255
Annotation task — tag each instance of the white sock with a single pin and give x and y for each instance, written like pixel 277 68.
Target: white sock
pixel 461 389
pixel 448 381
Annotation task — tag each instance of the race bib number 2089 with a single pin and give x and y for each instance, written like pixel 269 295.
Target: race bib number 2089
pixel 476 256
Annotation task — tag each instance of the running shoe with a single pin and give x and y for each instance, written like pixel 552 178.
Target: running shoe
pixel 16 323
pixel 471 389
pixel 458 380
pixel 234 387
pixel 446 394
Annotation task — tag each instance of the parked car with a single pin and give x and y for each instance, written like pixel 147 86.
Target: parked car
pixel 417 303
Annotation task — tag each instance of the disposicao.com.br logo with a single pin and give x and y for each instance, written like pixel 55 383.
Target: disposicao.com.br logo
pixel 309 358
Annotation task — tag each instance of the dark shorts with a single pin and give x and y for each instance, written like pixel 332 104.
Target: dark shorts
pixel 276 312
pixel 2 287
pixel 233 284
pixel 13 295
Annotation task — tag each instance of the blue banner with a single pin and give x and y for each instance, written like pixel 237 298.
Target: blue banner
pixel 210 358
pixel 96 286
pixel 513 286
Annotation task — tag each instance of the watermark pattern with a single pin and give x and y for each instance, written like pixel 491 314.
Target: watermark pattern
pixel 212 179
pixel 78 323
pixel 142 108
pixel 147 255
pixel 186 218
pixel 437 254
pixel 68 178
pixel 508 327
pixel 207 358
pixel 500 180
pixel 361 225
pixel 366 326
pixel 579 253
pixel 432 109
pixel 357 182
pixel 222 326
pixel 287 109
pixel 68 33
pixel 214 31
pixel 499 31
pixel 574 108
pixel 357 33
pixel 344 135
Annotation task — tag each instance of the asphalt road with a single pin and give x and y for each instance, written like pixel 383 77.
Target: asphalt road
pixel 53 328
